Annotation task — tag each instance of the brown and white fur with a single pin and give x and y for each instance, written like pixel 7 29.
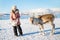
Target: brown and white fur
pixel 45 19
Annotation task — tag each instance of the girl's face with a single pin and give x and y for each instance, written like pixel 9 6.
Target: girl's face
pixel 14 8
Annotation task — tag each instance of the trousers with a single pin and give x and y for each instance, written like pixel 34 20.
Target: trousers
pixel 19 30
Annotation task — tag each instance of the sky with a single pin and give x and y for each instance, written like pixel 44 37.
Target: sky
pixel 23 5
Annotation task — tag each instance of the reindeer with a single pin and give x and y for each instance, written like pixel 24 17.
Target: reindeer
pixel 43 19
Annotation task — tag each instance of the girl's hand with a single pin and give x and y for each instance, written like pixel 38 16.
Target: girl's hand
pixel 18 23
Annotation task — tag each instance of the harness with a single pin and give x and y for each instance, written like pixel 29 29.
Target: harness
pixel 37 21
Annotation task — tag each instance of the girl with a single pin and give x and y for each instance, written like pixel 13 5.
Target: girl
pixel 15 20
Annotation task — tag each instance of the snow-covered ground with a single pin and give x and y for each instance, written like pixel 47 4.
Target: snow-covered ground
pixel 30 32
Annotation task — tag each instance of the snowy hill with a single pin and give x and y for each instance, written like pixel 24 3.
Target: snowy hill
pixel 42 11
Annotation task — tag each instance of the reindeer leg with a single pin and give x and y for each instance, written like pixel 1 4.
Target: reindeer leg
pixel 31 20
pixel 53 28
pixel 41 29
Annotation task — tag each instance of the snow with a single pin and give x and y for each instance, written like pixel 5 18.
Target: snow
pixel 30 32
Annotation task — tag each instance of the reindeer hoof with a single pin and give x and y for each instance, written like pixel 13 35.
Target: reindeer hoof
pixel 51 33
pixel 42 33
